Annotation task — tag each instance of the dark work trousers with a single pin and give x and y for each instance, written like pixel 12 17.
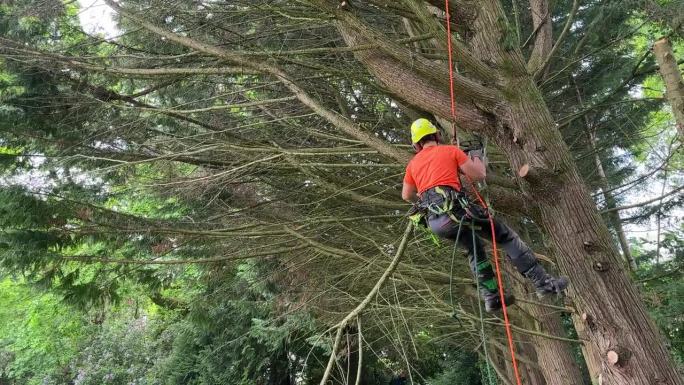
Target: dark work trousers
pixel 475 217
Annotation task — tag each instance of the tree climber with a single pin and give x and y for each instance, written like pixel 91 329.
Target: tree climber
pixel 432 184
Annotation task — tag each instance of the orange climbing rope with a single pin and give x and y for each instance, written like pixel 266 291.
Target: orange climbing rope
pixel 507 324
pixel 451 65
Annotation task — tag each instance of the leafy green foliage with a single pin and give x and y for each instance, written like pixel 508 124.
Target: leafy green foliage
pixel 40 334
pixel 232 336
pixel 663 286
pixel 124 351
pixel 461 367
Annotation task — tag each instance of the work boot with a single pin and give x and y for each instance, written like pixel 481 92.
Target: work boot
pixel 493 300
pixel 545 283
pixel 552 285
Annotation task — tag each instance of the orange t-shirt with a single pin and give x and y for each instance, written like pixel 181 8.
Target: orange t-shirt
pixel 435 166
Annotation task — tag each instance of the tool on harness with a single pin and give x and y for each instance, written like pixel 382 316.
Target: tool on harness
pixel 443 200
pixel 426 206
pixel 418 215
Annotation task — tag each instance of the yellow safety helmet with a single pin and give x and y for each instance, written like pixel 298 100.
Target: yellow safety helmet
pixel 421 128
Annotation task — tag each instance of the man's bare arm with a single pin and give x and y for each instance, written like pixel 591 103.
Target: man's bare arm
pixel 409 193
pixel 474 169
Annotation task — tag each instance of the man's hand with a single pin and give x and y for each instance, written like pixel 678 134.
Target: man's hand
pixel 477 153
pixel 475 150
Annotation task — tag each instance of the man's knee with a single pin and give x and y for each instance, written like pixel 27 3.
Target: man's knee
pixel 525 262
pixel 505 234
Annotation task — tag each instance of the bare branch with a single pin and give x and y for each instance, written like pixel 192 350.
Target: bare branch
pixel 361 306
pixel 644 203
pixel 94 259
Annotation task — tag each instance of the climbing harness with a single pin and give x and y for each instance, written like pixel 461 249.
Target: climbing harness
pixel 507 324
pixel 449 197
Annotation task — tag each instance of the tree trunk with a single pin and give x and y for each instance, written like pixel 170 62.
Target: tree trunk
pixel 673 80
pixel 591 355
pixel 599 285
pixel 500 365
pixel 555 357
pixel 585 251
pixel 533 373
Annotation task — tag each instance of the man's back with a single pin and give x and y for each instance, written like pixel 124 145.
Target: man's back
pixel 435 166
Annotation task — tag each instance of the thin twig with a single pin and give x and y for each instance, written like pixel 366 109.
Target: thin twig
pixel 644 203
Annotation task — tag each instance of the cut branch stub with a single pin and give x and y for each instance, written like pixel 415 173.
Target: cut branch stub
pixel 618 356
pixel 589 320
pixel 600 266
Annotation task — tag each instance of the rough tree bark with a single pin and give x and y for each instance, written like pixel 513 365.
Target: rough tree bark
pixel 629 347
pixel 555 357
pixel 674 85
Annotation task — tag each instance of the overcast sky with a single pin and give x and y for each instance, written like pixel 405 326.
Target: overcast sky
pixel 97 18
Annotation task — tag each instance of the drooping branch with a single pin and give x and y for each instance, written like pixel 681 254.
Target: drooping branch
pixel 437 73
pixel 106 95
pixel 166 71
pixel 403 83
pixel 305 98
pixel 96 259
pixel 369 297
pixel 644 203
pixel 462 55
pixel 254 103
